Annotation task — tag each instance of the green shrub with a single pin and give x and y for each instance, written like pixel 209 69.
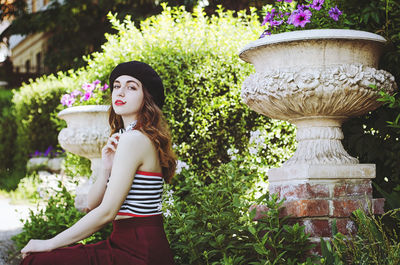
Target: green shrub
pixel 35 107
pixel 75 165
pixel 376 241
pixel 7 141
pixel 57 215
pixel 27 190
pixel 210 223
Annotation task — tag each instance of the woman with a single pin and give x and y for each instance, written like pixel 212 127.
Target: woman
pixel 136 160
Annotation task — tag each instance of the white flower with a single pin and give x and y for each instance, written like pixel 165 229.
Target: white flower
pixel 170 201
pixel 167 213
pixel 255 138
pixel 232 151
pixel 169 193
pixel 181 165
pixel 159 206
pixel 253 150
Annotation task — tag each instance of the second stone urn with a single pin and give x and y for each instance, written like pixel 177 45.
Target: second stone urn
pixel 316 79
pixel 86 133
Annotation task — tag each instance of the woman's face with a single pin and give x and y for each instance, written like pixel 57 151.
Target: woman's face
pixel 127 96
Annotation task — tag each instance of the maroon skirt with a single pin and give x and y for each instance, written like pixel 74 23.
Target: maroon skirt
pixel 137 240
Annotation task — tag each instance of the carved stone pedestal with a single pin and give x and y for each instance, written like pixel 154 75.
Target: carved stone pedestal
pixel 316 79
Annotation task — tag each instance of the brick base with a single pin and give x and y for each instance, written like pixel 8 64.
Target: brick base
pixel 316 196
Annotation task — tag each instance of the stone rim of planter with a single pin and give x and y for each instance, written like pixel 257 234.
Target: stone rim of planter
pixel 312 34
pixel 86 108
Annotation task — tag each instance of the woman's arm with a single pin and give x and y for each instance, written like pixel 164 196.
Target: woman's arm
pixel 132 149
pixel 96 192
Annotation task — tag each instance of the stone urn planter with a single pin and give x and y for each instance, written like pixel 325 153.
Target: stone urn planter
pixel 86 133
pixel 316 79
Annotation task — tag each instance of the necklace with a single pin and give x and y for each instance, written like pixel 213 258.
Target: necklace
pixel 130 127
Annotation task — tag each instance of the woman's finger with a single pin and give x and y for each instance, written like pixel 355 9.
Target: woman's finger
pixel 110 146
pixel 114 138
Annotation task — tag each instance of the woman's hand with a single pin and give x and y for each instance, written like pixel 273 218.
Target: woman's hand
pixel 35 245
pixel 108 151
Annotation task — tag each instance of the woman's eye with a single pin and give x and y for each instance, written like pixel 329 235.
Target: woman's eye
pixel 131 87
pixel 116 87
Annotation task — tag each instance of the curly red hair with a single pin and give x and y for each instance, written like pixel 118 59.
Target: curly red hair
pixel 152 123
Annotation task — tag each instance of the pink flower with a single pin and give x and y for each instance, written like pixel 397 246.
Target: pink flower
pixel 96 82
pixel 87 96
pixel 300 18
pixel 104 88
pixel 88 87
pixel 76 93
pixel 67 100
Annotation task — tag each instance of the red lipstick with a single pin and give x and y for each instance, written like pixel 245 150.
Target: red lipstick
pixel 119 102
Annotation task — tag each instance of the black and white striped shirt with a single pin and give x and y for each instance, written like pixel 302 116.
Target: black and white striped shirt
pixel 144 197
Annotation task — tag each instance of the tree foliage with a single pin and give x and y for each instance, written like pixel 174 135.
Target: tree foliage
pixel 76 27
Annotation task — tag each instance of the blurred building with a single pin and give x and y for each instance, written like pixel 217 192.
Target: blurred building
pixel 26 52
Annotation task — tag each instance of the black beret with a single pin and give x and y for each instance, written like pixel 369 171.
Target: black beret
pixel 145 74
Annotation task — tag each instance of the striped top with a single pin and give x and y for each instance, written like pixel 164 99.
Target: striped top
pixel 144 197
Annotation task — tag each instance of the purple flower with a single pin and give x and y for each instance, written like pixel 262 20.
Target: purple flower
pixel 317 4
pixel 334 13
pixel 96 82
pixel 76 93
pixel 301 18
pixel 288 1
pixel 48 150
pixel 67 100
pixel 87 96
pixel 268 17
pixel 104 88
pixel 265 33
pixel 88 87
pixel 303 7
pixel 276 23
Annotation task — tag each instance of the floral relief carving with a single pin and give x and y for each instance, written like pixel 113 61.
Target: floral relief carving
pixel 313 95
pixel 86 142
pixel 343 90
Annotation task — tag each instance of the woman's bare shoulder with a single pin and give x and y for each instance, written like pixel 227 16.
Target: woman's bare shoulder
pixel 137 138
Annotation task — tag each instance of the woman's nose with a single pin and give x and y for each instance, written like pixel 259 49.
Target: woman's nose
pixel 121 91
